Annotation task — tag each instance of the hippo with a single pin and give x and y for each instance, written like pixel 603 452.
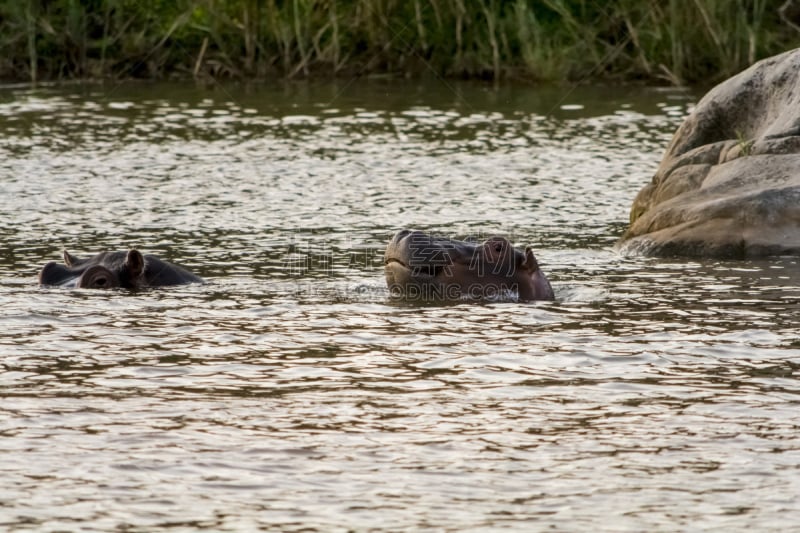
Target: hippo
pixel 107 270
pixel 728 185
pixel 424 267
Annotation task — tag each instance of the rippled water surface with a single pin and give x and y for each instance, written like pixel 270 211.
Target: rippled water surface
pixel 290 392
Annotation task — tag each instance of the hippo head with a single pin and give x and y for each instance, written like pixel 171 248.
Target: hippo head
pixel 420 266
pixel 106 270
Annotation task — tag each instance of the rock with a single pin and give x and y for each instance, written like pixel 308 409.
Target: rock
pixel 729 183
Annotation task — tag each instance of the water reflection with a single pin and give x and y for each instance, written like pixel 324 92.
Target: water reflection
pixel 291 392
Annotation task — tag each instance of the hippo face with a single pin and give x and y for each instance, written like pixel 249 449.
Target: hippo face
pixel 420 266
pixel 109 270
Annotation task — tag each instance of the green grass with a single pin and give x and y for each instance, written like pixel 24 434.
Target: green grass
pixel 668 41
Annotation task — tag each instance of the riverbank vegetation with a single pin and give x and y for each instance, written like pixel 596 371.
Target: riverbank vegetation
pixel 667 41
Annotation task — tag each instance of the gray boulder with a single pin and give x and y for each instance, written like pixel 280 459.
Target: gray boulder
pixel 729 183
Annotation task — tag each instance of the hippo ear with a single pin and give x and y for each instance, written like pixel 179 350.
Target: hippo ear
pixel 69 260
pixel 135 263
pixel 530 261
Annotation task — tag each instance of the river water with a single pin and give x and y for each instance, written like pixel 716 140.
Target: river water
pixel 290 392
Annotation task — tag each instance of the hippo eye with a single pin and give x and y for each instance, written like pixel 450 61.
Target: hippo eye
pixel 100 282
pixel 498 247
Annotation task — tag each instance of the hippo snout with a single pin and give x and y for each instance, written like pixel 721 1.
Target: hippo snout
pixel 420 265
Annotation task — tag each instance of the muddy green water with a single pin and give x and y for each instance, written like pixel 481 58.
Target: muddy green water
pixel 291 393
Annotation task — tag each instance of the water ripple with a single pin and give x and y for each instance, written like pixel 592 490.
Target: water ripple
pixel 290 392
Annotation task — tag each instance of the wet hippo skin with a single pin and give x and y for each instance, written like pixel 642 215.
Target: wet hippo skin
pixel 108 270
pixel 424 267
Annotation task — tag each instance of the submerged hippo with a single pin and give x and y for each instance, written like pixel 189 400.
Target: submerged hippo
pixel 107 270
pixel 419 266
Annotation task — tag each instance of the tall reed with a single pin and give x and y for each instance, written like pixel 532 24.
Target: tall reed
pixel 674 41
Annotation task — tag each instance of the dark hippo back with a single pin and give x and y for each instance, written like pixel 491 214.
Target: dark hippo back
pixel 160 273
